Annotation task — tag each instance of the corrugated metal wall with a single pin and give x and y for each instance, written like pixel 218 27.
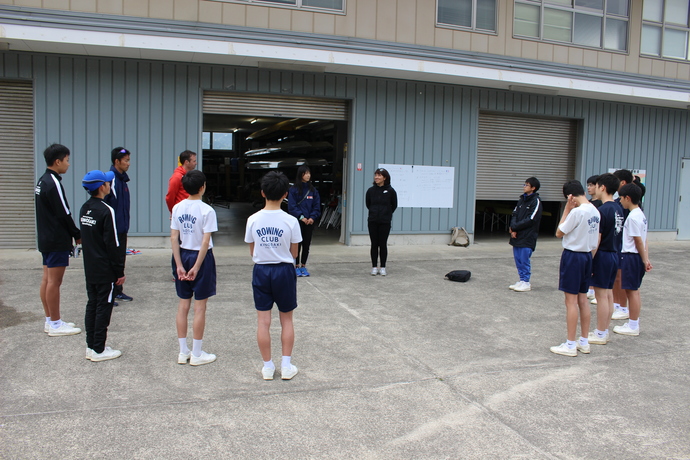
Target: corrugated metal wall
pixel 154 109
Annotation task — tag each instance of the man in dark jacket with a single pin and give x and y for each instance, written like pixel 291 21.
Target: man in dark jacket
pixel 118 199
pixel 104 263
pixel 55 231
pixel 524 229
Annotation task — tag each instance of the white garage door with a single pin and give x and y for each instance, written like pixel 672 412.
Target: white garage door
pixel 17 225
pixel 510 149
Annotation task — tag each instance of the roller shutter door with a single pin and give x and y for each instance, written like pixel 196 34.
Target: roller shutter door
pixel 265 105
pixel 17 225
pixel 510 149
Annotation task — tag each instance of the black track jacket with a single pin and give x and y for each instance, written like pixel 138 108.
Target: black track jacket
pixel 381 203
pixel 103 262
pixel 54 225
pixel 525 221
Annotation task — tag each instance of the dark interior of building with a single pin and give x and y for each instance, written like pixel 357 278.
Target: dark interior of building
pixel 238 150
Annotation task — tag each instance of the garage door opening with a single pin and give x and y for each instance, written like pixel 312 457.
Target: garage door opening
pixel 510 149
pixel 245 136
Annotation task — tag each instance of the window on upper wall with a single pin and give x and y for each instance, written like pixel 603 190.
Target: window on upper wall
pixel 665 28
pixel 332 5
pixel 599 24
pixel 477 15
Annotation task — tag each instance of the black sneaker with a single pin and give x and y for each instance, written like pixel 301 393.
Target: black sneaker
pixel 123 297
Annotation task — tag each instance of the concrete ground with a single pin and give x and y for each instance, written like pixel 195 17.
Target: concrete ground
pixel 406 366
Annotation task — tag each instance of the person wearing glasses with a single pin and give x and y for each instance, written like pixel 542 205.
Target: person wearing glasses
pixel 524 229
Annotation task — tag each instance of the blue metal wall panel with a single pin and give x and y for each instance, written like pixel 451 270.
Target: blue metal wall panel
pixel 154 109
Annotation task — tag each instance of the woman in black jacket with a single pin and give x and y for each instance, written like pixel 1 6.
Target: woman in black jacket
pixel 381 201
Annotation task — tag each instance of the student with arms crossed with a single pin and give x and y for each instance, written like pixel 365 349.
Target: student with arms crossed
pixel 579 228
pixel 273 236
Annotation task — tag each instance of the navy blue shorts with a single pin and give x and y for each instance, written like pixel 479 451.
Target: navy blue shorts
pixel 204 285
pixel 56 259
pixel 632 271
pixel 575 272
pixel 275 283
pixel 604 269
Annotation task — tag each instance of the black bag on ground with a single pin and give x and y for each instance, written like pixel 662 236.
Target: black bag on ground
pixel 459 275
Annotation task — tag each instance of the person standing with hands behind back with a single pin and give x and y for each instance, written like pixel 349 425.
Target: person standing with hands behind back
pixel 304 203
pixel 381 201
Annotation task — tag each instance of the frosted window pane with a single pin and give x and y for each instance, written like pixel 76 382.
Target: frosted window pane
pixel 677 12
pixel 558 25
pixel 675 42
pixel 651 40
pixel 652 9
pixel 526 20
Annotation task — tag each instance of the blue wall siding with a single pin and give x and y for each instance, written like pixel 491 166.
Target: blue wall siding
pixel 154 109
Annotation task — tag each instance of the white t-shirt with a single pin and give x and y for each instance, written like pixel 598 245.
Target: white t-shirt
pixel 272 232
pixel 193 218
pixel 635 225
pixel 581 228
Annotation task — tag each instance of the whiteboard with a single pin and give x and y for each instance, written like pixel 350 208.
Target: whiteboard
pixel 422 186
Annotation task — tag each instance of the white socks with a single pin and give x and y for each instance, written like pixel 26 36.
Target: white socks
pixel 269 364
pixel 286 361
pixel 584 341
pixel 634 324
pixel 196 347
pixel 184 349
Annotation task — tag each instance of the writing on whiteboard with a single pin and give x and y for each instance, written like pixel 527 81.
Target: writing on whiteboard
pixel 422 186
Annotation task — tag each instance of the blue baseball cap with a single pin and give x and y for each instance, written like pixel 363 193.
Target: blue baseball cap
pixel 94 179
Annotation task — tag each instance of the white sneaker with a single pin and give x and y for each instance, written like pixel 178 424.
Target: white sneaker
pixel 182 358
pixel 64 329
pixel 524 287
pixel 267 372
pixel 288 372
pixel 582 348
pixel 108 353
pixel 46 326
pixel 594 339
pixel 590 295
pixel 619 313
pixel 563 349
pixel 89 353
pixel 626 330
pixel 382 271
pixel 593 301
pixel 374 271
pixel 513 286
pixel 204 358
